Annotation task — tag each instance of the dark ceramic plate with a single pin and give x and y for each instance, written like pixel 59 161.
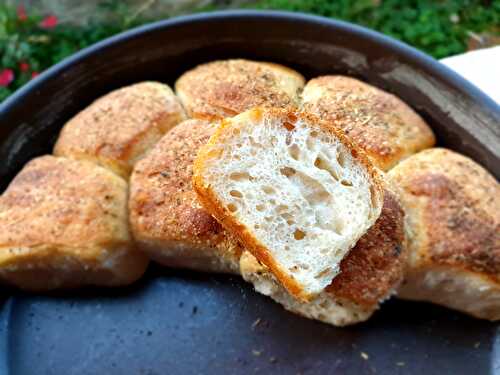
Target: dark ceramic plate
pixel 174 322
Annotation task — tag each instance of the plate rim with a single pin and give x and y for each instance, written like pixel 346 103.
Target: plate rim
pixel 406 50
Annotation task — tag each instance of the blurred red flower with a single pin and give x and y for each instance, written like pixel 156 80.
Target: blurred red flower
pixel 21 13
pixel 49 22
pixel 24 66
pixel 6 77
pixel 34 75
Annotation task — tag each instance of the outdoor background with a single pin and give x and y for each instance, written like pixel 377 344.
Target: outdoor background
pixel 35 34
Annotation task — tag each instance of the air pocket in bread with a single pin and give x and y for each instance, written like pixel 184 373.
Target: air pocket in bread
pixel 369 274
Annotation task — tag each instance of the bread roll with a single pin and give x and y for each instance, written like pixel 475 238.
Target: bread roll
pixel 453 210
pixel 118 129
pixel 295 191
pixel 63 224
pixel 167 220
pixel 368 274
pixel 380 123
pixel 225 88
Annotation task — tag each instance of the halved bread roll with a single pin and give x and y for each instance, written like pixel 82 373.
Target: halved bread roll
pixel 453 211
pixel 118 129
pixel 226 88
pixel 380 123
pixel 64 223
pixel 369 274
pixel 167 220
pixel 293 188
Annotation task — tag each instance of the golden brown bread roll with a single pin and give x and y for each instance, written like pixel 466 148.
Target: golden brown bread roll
pixel 453 211
pixel 116 130
pixel 226 88
pixel 369 273
pixel 63 223
pixel 166 219
pixel 379 122
pixel 295 191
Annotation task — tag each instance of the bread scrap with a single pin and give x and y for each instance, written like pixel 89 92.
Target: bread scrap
pixel 453 211
pixel 369 274
pixel 116 130
pixel 167 220
pixel 295 191
pixel 64 224
pixel 226 88
pixel 380 123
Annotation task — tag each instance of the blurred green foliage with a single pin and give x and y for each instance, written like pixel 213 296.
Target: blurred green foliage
pixel 27 47
pixel 440 28
pixel 30 44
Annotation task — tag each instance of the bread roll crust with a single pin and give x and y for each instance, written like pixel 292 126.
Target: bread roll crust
pixel 453 209
pixel 211 202
pixel 66 220
pixel 380 123
pixel 226 88
pixel 119 128
pixel 167 220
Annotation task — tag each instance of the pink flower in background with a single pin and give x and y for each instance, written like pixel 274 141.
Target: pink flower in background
pixel 24 66
pixel 6 77
pixel 34 75
pixel 21 13
pixel 49 22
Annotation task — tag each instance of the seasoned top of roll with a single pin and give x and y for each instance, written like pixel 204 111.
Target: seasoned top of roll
pixel 226 88
pixel 116 130
pixel 379 122
pixel 453 208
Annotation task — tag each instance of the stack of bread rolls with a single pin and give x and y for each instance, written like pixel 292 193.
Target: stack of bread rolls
pixel 327 196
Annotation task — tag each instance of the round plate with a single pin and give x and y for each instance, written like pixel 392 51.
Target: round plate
pixel 179 322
